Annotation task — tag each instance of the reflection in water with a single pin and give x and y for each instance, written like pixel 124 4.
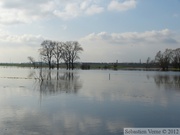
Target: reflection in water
pixel 31 122
pixel 169 82
pixel 99 106
pixel 51 82
pixel 24 121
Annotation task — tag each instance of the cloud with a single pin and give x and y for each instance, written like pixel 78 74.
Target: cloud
pixel 73 10
pixel 25 11
pixel 19 47
pixel 122 6
pixel 165 36
pixel 128 46
pixel 25 38
pixel 94 9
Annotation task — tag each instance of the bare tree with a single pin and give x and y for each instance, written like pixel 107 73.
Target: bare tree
pixel 164 59
pixel 67 54
pixel 58 52
pixel 66 59
pixel 31 59
pixel 71 53
pixel 148 61
pixel 176 58
pixel 46 51
pixel 76 49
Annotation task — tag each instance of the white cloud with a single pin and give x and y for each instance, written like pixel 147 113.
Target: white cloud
pixel 25 38
pixel 84 4
pixel 19 47
pixel 25 11
pixel 71 10
pixel 122 6
pixel 94 9
pixel 165 36
pixel 127 47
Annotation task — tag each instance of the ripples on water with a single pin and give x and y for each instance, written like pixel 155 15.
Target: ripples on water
pixel 90 102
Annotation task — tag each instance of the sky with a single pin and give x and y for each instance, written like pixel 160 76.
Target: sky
pixel 108 30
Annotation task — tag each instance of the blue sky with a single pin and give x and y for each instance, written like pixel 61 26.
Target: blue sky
pixel 108 30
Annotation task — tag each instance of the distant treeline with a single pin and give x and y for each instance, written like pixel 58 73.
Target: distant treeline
pixel 64 55
pixel 84 65
pixel 90 65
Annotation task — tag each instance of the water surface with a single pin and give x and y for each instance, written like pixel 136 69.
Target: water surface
pixel 94 102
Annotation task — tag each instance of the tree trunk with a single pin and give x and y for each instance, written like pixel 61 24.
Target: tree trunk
pixel 66 65
pixel 72 64
pixel 57 64
pixel 167 68
pixel 49 63
pixel 69 65
pixel 34 64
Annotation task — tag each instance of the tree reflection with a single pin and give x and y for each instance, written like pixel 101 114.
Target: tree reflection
pixel 167 81
pixel 50 82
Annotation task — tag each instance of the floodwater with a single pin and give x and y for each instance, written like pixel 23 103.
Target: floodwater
pixel 93 102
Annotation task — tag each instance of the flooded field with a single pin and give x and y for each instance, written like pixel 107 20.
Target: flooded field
pixel 94 102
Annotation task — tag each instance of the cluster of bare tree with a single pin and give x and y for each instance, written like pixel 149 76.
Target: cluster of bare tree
pixel 57 51
pixel 169 56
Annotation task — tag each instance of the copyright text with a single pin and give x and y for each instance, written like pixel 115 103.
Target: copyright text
pixel 151 131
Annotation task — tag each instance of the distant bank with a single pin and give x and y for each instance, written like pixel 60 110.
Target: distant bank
pixel 95 65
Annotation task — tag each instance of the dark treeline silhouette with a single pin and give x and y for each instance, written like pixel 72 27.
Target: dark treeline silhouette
pixel 167 58
pixel 54 51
